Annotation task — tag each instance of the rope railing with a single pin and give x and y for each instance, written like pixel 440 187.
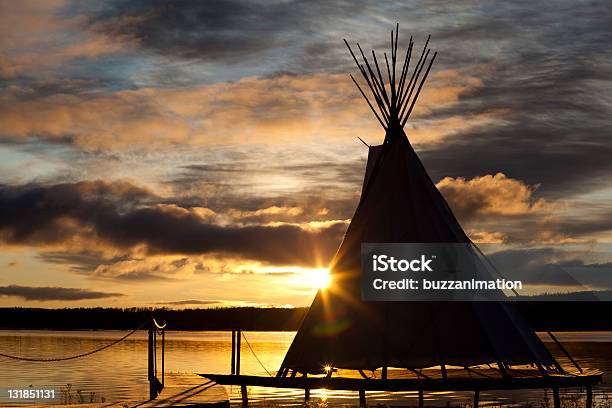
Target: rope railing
pixel 89 353
pixel 255 355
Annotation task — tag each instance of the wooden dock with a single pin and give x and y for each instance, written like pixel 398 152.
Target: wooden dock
pixel 189 390
pixel 554 382
pixel 181 390
pixel 431 384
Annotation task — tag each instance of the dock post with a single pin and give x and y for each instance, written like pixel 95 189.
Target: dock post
pixel 589 396
pixel 476 399
pixel 152 385
pixel 238 337
pixel 556 398
pixel 362 398
pixel 421 399
pixel 163 357
pixel 233 352
pixel 306 394
pixel 245 396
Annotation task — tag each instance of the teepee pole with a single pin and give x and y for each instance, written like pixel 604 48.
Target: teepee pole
pixel 567 354
pixel 380 88
pixel 380 77
pixel 413 82
pixel 369 104
pixel 415 68
pixel 377 97
pixel 390 80
pixel 405 71
pixel 416 96
pixel 380 85
pixel 394 56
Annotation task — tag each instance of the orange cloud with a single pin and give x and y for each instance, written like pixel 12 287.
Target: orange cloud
pixel 34 37
pixel 491 195
pixel 252 110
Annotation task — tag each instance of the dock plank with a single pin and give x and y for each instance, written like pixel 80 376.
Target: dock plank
pixel 189 390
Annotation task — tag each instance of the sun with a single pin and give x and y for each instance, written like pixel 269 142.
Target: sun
pixel 319 278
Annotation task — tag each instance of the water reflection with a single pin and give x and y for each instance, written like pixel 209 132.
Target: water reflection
pixel 119 373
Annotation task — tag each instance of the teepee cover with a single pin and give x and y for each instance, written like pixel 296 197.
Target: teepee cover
pixel 401 204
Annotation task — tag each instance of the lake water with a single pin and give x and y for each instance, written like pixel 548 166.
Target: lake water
pixel 120 372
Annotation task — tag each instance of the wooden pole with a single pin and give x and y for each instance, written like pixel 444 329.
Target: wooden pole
pixel 476 399
pixel 233 371
pixel 362 398
pixel 238 339
pixel 306 390
pixel 244 394
pixel 369 104
pixel 556 398
pixel 163 357
pixel 374 84
pixel 152 386
pixel 421 399
pixel 564 350
pixel 406 96
pixel 154 351
pixel 589 396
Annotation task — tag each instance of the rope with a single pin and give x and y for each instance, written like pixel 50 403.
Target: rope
pixel 255 355
pixel 76 356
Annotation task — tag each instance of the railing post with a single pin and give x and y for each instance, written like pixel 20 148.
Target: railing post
pixel 163 350
pixel 556 398
pixel 238 340
pixel 152 385
pixel 233 352
pixel 245 395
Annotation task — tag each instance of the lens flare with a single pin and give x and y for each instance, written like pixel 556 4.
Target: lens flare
pixel 319 278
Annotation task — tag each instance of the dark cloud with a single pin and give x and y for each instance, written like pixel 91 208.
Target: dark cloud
pixel 547 82
pixel 53 293
pixel 556 266
pixel 118 215
pixel 329 189
pixel 227 31
pixel 546 79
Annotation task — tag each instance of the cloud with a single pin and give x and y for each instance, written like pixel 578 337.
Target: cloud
pixel 556 268
pixel 227 32
pixel 118 219
pixel 54 293
pixel 189 302
pixel 489 195
pixel 251 110
pixel 39 37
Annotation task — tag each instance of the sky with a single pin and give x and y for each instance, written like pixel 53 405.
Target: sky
pixel 194 154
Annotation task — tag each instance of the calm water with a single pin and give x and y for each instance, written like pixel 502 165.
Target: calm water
pixel 119 373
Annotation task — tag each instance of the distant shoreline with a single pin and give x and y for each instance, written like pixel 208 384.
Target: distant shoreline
pixel 542 316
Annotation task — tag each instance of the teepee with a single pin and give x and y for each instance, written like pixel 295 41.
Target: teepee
pixel 401 204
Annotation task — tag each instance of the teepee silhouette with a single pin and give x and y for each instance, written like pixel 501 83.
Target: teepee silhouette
pixel 401 204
